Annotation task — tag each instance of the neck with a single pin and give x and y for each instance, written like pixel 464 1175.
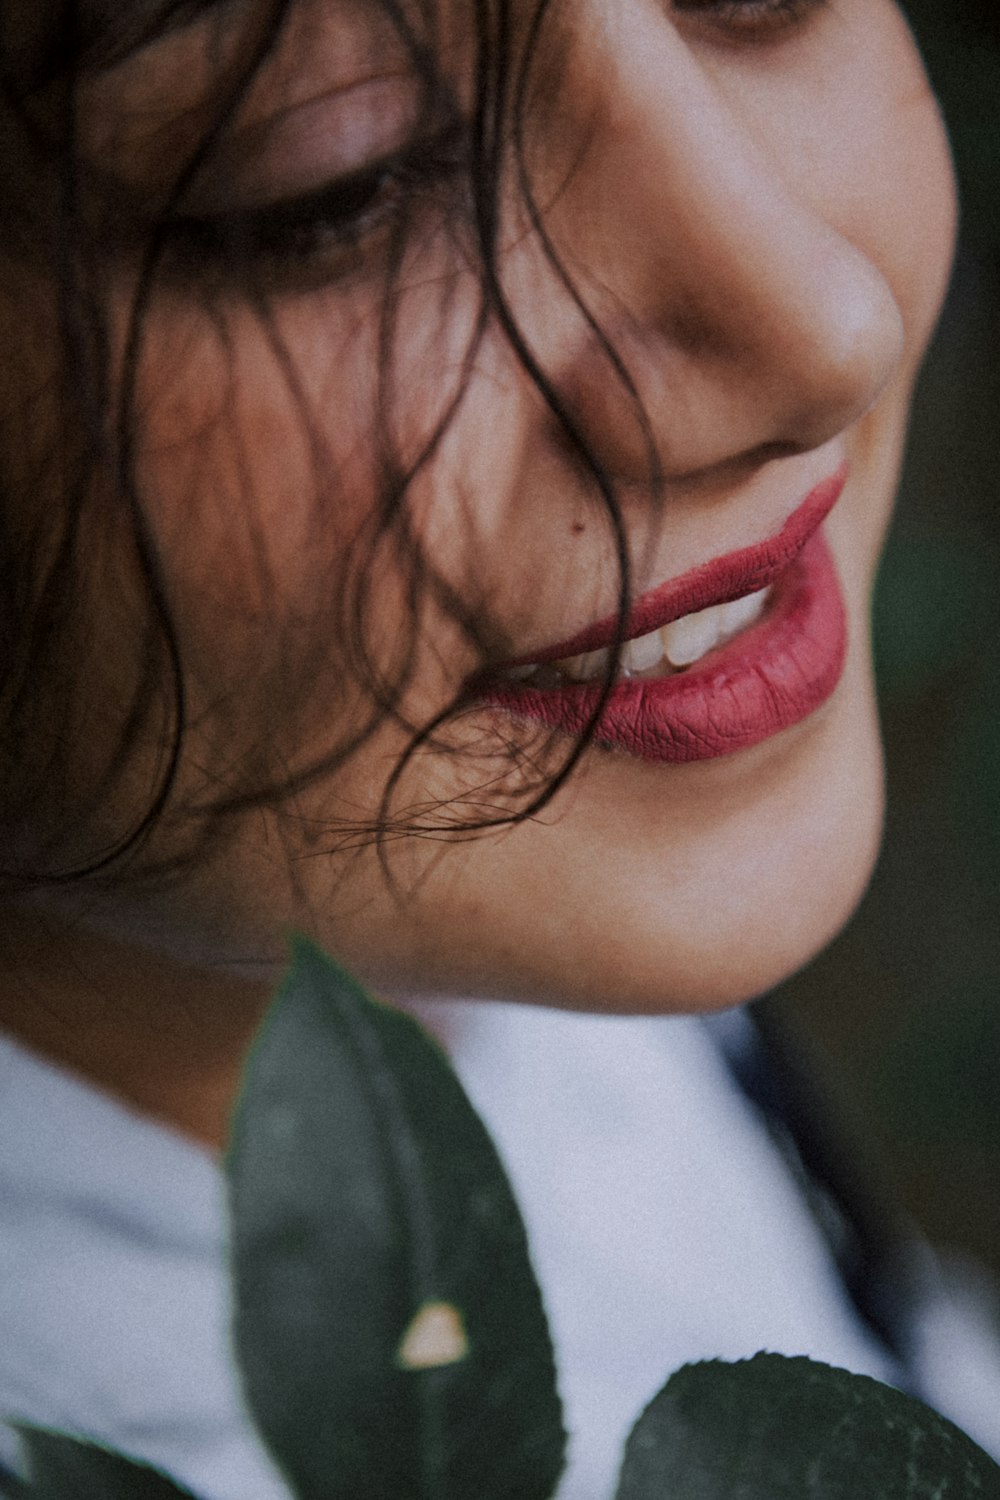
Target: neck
pixel 169 1040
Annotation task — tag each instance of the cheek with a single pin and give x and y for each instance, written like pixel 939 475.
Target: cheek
pixel 268 427
pixel 235 453
pixel 252 507
pixel 256 478
pixel 261 472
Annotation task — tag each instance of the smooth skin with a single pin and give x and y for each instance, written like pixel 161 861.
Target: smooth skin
pixel 759 209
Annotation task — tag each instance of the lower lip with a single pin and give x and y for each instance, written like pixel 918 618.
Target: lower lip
pixel 763 681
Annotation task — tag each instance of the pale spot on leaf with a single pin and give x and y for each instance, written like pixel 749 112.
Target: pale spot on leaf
pixel 436 1337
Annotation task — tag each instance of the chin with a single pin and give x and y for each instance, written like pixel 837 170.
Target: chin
pixel 783 926
pixel 650 890
pixel 782 905
pixel 742 947
pixel 778 870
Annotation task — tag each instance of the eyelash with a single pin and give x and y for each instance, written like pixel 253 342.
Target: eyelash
pixel 310 234
pixel 750 19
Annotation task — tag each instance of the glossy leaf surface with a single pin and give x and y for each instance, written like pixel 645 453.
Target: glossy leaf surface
pixel 389 1326
pixel 62 1468
pixel 772 1428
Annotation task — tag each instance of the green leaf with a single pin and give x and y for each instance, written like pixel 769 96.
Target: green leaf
pixel 772 1428
pixel 63 1468
pixel 389 1327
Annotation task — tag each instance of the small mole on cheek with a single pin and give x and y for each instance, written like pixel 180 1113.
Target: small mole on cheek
pixel 578 528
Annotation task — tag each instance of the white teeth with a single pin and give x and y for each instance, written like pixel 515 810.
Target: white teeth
pixel 691 637
pixel 644 652
pixel 688 639
pixel 679 644
pixel 740 613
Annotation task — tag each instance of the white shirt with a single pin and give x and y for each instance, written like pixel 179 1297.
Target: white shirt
pixel 664 1227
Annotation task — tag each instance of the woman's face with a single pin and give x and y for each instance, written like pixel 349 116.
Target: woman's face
pixel 754 203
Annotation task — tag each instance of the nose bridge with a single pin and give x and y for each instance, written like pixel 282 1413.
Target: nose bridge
pixel 727 287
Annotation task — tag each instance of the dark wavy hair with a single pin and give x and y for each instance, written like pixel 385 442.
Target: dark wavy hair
pixel 53 822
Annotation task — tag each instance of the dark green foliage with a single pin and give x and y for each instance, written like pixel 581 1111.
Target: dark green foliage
pixel 772 1428
pixel 365 1189
pixel 61 1468
pixel 961 42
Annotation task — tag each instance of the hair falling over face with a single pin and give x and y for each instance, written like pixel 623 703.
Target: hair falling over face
pixel 451 155
pixel 444 484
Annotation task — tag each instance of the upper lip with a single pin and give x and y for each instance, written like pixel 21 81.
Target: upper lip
pixel 714 582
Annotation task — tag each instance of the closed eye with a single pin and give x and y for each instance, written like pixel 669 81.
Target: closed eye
pixel 332 224
pixel 750 20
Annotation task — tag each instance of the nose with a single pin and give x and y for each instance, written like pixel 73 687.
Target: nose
pixel 748 324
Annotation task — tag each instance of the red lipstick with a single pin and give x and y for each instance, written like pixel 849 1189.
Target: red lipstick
pixel 764 680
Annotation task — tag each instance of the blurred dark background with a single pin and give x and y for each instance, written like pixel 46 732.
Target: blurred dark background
pixel 904 1010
